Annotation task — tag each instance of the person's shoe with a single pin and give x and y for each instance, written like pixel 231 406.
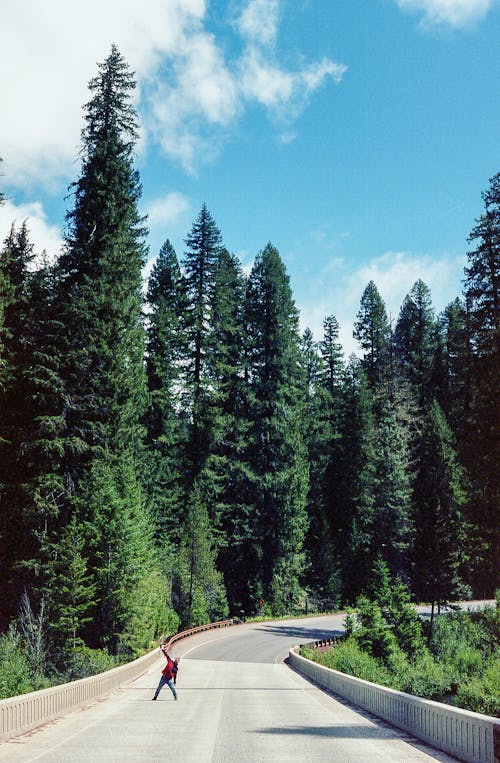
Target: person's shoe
pixel 153 699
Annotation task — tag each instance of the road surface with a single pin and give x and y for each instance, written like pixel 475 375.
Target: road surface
pixel 238 701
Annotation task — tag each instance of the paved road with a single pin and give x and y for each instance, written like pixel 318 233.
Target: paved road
pixel 237 702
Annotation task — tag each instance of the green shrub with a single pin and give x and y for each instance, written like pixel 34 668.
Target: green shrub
pixel 348 657
pixel 426 678
pixel 14 667
pixel 373 633
pixel 482 693
pixel 83 662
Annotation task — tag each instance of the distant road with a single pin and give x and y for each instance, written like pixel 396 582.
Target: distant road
pixel 238 701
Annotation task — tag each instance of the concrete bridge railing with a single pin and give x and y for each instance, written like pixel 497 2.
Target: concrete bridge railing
pixel 468 736
pixel 28 711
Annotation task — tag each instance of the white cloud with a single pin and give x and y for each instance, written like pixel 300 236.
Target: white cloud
pixel 43 235
pixel 50 50
pixel 190 90
pixel 338 291
pixel 456 13
pixel 167 210
pixel 259 21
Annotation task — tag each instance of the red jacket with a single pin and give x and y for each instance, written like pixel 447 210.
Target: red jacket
pixel 168 670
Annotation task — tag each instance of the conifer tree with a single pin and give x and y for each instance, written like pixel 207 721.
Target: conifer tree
pixel 199 590
pixel 31 425
pixel 414 339
pixel 451 382
pixel 481 451
pixel 199 264
pixel 277 462
pixel 223 477
pixel 372 331
pixel 166 424
pixel 16 256
pixel 323 440
pixel 100 305
pixel 440 528
pixel 353 516
pixel 392 528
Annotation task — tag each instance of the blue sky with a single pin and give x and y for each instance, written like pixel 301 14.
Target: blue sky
pixel 355 135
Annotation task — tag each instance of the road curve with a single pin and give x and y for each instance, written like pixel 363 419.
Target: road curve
pixel 237 701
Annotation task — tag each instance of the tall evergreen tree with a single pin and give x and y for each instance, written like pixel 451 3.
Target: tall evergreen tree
pixel 482 452
pixel 31 401
pixel 414 339
pixel 392 528
pixel 439 498
pixel 373 332
pixel 323 440
pixel 16 256
pixel 277 462
pixel 100 305
pixel 321 572
pixel 354 508
pixel 222 477
pixel 199 588
pixel 200 261
pixel 452 380
pixel 166 424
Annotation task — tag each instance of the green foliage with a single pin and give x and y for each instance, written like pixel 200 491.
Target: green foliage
pixel 388 647
pixel 82 661
pixel 373 633
pixel 481 693
pixel 349 657
pixel 421 676
pixel 199 589
pixel 14 667
pixel 373 333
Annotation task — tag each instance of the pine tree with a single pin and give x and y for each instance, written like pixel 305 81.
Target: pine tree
pixel 372 331
pixel 414 339
pixel 392 530
pixel 166 425
pixel 481 451
pixel 277 462
pixel 439 498
pixel 70 591
pixel 16 256
pixel 200 261
pixel 32 402
pixel 322 437
pixel 100 305
pixel 223 475
pixel 451 381
pixel 200 590
pixel 353 516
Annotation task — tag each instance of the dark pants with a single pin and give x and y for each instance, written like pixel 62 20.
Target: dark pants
pixel 170 684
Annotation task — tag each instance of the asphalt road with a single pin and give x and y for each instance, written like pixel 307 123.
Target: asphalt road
pixel 237 702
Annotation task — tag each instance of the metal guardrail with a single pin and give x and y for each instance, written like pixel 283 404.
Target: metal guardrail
pixel 330 641
pixel 28 711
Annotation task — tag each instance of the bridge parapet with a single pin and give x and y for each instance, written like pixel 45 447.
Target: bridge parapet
pixel 28 711
pixel 469 736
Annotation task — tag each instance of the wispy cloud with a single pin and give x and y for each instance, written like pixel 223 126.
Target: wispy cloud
pixel 167 210
pixel 191 89
pixel 455 13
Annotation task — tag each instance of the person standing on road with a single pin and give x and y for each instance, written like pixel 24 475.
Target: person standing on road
pixel 168 674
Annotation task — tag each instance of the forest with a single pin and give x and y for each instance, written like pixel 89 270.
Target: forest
pixel 178 451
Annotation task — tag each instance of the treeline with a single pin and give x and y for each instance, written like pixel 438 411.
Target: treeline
pixel 176 459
